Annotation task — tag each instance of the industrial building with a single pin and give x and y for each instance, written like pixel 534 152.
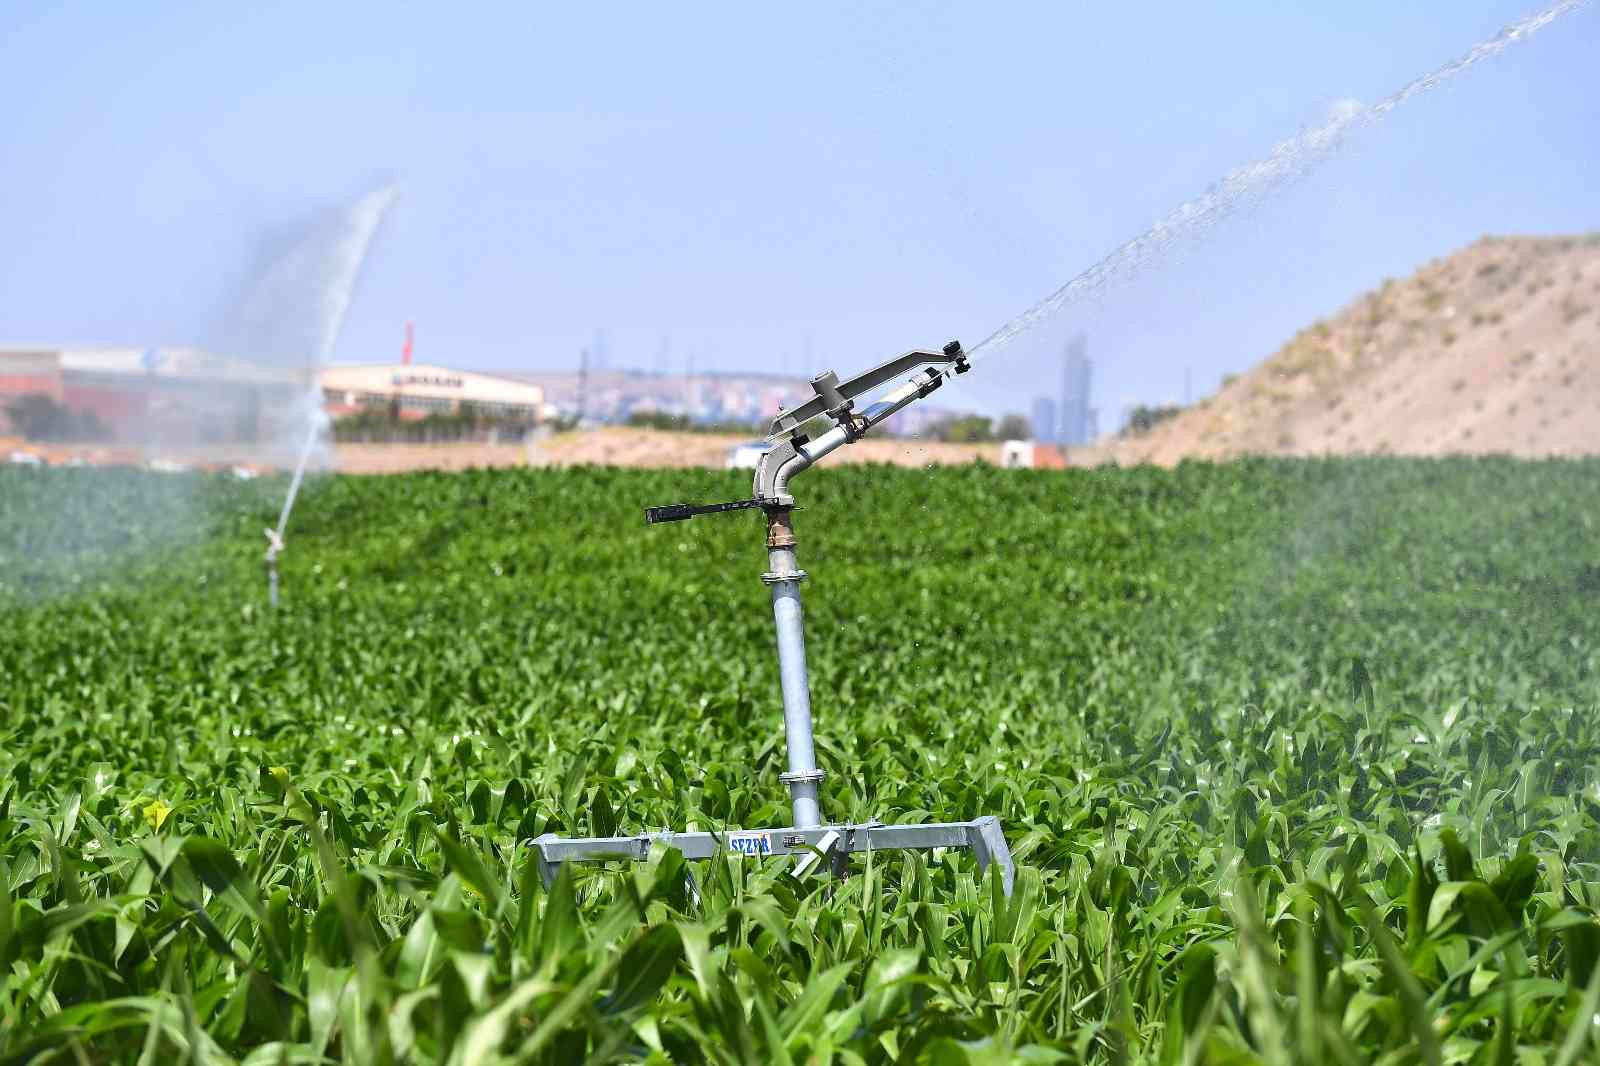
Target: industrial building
pixel 411 391
pixel 175 395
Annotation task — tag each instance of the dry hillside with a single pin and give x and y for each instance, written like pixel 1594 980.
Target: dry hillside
pixel 1493 349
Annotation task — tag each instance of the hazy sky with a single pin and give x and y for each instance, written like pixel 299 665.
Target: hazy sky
pixel 744 183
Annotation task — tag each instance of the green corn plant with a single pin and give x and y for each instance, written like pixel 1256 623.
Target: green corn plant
pixel 1297 758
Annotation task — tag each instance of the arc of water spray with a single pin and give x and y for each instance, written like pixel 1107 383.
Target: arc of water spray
pixel 1249 185
pixel 349 253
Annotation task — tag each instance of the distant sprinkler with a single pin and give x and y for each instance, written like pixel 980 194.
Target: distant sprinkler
pixel 274 546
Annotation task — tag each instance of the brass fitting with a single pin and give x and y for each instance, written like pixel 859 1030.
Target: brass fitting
pixel 780 527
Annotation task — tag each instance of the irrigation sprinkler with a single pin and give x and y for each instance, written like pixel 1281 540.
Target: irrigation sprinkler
pixel 807 838
pixel 274 546
pixel 275 536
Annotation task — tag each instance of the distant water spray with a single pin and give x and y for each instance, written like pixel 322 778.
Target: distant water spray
pixel 331 269
pixel 1251 184
pixel 290 314
pixel 294 316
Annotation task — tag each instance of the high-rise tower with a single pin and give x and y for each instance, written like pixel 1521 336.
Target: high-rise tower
pixel 1077 372
pixel 1044 427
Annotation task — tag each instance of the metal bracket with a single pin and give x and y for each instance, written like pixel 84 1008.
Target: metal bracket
pixel 981 836
pixel 808 861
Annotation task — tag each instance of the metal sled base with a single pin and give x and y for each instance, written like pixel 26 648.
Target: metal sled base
pixel 982 836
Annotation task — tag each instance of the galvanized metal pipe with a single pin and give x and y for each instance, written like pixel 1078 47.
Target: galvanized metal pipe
pixel 805 455
pixel 796 695
pixel 784 576
pixel 894 401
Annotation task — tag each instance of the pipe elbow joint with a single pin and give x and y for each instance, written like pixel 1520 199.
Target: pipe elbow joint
pixel 781 462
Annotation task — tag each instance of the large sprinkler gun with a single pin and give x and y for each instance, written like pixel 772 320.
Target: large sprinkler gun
pixel 791 451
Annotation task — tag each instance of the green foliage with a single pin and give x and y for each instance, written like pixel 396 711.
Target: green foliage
pixel 1298 760
pixel 1143 418
pixel 684 424
pixel 1013 427
pixel 964 429
pixel 38 417
pixel 813 427
pixel 382 425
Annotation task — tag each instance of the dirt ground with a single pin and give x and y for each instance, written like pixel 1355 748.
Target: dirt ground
pixel 616 446
pixel 399 458
pixel 612 446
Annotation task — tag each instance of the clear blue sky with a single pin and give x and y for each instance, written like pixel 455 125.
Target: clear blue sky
pixel 748 180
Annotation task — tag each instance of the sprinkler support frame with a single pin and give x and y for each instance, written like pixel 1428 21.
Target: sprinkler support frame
pixel 806 837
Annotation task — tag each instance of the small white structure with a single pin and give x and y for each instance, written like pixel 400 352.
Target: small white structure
pixel 1017 454
pixel 1031 455
pixel 747 455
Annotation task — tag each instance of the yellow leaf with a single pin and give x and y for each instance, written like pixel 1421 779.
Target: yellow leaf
pixel 156 813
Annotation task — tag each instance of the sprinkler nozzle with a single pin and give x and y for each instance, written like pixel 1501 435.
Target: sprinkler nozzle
pixel 953 350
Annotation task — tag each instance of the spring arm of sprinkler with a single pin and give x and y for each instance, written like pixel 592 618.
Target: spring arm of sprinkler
pixel 834 397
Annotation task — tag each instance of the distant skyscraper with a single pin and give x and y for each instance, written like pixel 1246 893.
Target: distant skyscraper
pixel 1075 384
pixel 1044 426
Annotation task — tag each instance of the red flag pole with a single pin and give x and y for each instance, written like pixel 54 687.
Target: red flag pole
pixel 405 353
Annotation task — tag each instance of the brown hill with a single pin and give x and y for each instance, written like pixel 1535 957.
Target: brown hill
pixel 1493 349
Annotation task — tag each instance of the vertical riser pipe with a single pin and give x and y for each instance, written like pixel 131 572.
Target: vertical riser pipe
pixel 784 577
pixel 793 677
